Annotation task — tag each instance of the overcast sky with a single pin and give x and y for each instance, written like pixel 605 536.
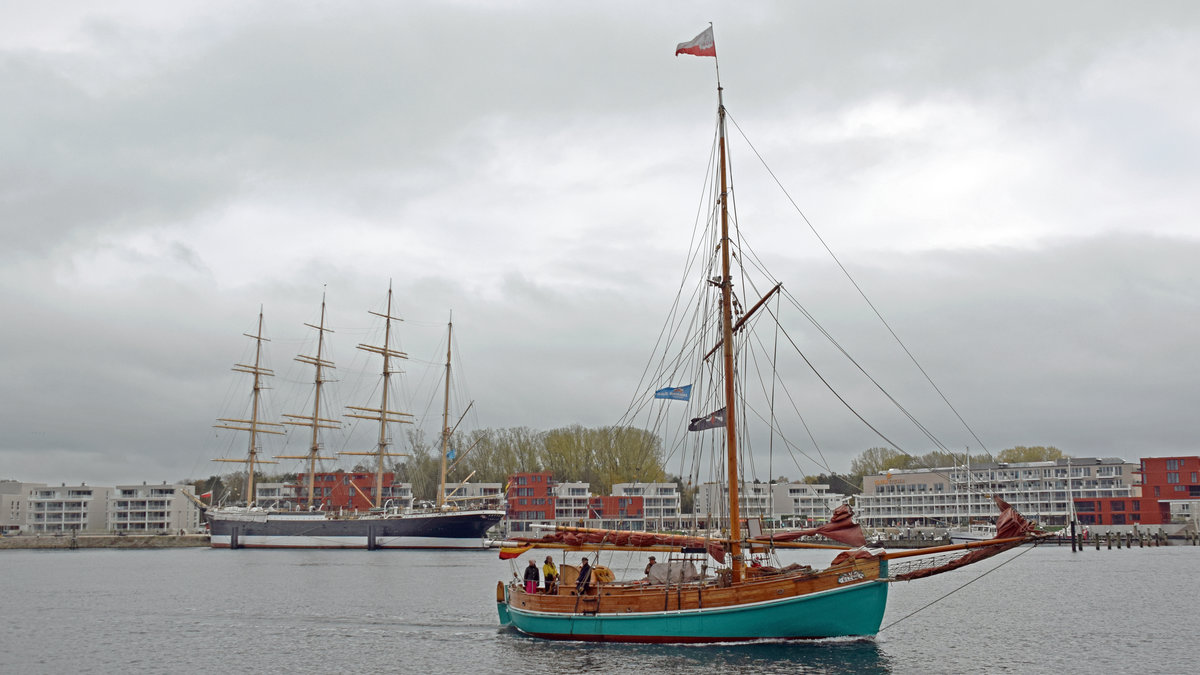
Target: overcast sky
pixel 1015 186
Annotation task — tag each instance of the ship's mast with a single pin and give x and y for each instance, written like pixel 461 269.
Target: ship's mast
pixel 315 421
pixel 382 414
pixel 253 425
pixel 735 522
pixel 441 495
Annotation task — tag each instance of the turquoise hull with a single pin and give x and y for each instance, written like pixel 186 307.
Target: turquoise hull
pixel 855 610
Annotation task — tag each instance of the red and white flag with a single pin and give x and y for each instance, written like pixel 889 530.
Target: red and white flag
pixel 701 45
pixel 206 495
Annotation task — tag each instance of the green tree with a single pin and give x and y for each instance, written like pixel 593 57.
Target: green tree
pixel 1037 453
pixel 422 468
pixel 878 460
pixel 842 484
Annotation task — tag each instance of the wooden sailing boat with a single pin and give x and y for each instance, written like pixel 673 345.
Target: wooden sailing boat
pixel 384 526
pixel 737 600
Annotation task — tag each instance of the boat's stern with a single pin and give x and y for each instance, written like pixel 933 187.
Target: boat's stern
pixel 502 603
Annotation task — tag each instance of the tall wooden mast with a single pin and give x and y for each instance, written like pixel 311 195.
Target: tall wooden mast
pixel 253 425
pixel 382 414
pixel 441 495
pixel 735 521
pixel 314 421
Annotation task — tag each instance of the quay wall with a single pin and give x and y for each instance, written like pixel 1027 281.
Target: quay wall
pixel 30 541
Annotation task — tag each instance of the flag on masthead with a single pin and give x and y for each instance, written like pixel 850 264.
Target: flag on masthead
pixel 701 45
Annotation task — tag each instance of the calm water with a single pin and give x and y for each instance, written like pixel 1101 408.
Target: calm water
pixel 104 611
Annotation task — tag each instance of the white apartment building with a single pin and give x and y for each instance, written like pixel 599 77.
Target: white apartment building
pixel 787 504
pixel 475 495
pixel 152 509
pixel 399 494
pixel 660 502
pixel 68 508
pixel 571 501
pixel 755 500
pixel 14 504
pixel 947 496
pixel 803 504
pixel 275 495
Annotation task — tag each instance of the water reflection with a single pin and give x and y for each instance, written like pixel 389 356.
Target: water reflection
pixel 819 656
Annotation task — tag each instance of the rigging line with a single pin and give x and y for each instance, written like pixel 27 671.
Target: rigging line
pixel 828 336
pixel 854 283
pixel 692 247
pixel 928 434
pixel 937 600
pixel 823 463
pixel 833 391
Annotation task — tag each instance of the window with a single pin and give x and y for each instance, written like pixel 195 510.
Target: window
pixel 1137 505
pixel 1118 506
pixel 1172 477
pixel 1157 492
pixel 1181 488
pixel 1118 519
pixel 1172 465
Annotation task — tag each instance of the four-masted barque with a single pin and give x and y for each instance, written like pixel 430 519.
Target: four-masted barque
pixel 733 596
pixel 385 525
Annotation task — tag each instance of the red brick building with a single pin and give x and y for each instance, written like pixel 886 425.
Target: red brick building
pixel 350 491
pixel 615 508
pixel 535 498
pixel 1165 480
pixel 530 498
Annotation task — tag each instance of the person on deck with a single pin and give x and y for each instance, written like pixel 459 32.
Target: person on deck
pixel 585 577
pixel 649 565
pixel 531 577
pixel 550 574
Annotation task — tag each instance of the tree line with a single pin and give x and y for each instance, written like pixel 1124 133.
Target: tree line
pixel 880 460
pixel 600 456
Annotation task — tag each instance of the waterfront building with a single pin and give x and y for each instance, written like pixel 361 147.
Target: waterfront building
pixel 660 502
pixel 953 496
pixel 535 499
pixel 474 495
pixel 529 501
pixel 754 501
pixel 350 491
pixel 803 504
pixel 68 508
pixel 572 503
pixel 777 504
pixel 152 509
pixel 275 495
pixel 1168 491
pixel 14 504
pixel 616 513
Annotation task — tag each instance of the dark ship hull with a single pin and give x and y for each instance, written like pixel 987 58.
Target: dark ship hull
pixel 242 528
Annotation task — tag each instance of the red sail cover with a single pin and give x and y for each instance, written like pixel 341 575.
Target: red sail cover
pixel 841 527
pixel 578 536
pixel 1009 525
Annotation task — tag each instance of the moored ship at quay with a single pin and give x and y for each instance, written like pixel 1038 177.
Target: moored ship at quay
pixel 443 525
